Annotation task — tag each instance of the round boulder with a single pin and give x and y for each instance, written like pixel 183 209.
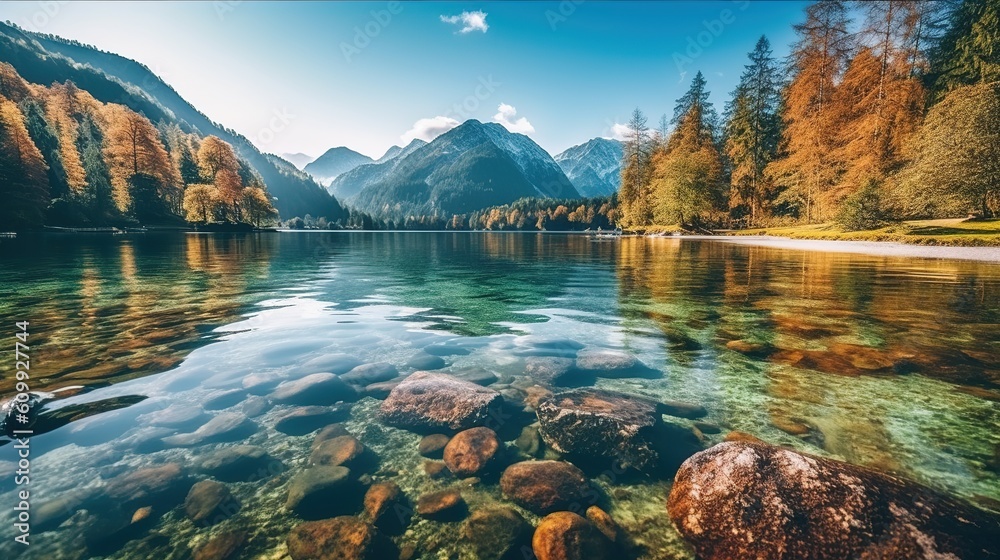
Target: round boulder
pixel 471 451
pixel 564 535
pixel 545 486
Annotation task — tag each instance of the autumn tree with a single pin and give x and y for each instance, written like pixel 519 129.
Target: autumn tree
pixel 956 162
pixel 634 196
pixel 753 130
pixel 215 155
pixel 62 106
pixel 257 208
pixel 806 170
pixel 141 172
pixel 24 186
pixel 200 202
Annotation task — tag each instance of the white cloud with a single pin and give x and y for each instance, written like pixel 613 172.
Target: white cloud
pixel 619 131
pixel 429 129
pixel 471 21
pixel 506 118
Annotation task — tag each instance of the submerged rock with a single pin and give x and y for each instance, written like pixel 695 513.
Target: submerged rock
pixel 446 505
pixel 209 502
pixel 370 373
pixel 426 362
pixel 329 432
pixel 340 538
pixel 228 426
pixel 594 423
pixel 158 487
pixel 546 486
pixel 240 463
pixel 380 499
pixel 497 533
pixel 557 372
pixel 315 389
pixel 307 419
pixel 567 536
pixel 341 450
pixel 224 546
pixel 434 401
pixel 529 442
pixel 432 445
pixel 753 500
pixel 603 523
pixel 225 399
pixel 613 363
pixel 471 451
pixel 175 416
pixel 322 490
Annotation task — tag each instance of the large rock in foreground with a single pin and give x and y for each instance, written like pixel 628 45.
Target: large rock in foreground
pixel 340 538
pixel 435 401
pixel 596 424
pixel 753 500
pixel 546 486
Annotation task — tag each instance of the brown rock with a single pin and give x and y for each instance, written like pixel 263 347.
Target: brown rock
pixel 742 436
pixel 210 502
pixel 151 486
pixel 327 433
pixel 471 451
pixel 752 500
pixel 380 498
pixel 434 401
pixel 432 446
pixel 603 523
pixel 222 547
pixel 341 450
pixel 446 505
pixel 754 349
pixel 496 533
pixel 567 536
pixel 340 538
pixel 436 469
pixel 594 423
pixel 141 514
pixel 545 486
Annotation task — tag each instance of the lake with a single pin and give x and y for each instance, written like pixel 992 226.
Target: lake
pixel 887 362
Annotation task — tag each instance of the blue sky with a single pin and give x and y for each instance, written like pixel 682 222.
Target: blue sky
pixel 304 77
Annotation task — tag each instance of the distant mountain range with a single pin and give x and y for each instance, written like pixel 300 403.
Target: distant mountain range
pixel 110 78
pixel 473 166
pixel 348 185
pixel 594 167
pixel 334 162
pixel 299 160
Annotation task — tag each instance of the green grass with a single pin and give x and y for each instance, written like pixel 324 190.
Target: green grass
pixel 951 231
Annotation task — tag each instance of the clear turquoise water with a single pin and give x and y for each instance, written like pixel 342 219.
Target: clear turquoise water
pixel 886 362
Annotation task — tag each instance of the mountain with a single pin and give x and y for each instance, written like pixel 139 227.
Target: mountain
pixel 348 185
pixel 397 151
pixel 334 162
pixel 472 166
pixel 110 78
pixel 298 159
pixel 594 167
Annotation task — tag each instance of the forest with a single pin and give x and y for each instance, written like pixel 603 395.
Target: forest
pixel 896 118
pixel 68 159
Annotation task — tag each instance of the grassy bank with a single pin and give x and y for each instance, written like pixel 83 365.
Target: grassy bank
pixel 953 231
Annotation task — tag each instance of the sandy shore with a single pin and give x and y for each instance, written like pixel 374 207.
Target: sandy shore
pixel 879 248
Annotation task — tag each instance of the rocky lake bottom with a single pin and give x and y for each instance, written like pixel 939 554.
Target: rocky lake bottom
pixel 471 415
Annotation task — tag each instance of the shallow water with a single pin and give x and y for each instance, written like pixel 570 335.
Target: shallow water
pixel 888 362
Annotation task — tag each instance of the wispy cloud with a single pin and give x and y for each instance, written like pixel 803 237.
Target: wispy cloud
pixel 471 21
pixel 619 131
pixel 506 117
pixel 429 129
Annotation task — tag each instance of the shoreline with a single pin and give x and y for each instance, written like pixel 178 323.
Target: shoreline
pixel 988 254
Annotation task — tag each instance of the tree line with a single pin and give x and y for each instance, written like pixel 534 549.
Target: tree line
pixel 898 119
pixel 525 214
pixel 69 159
